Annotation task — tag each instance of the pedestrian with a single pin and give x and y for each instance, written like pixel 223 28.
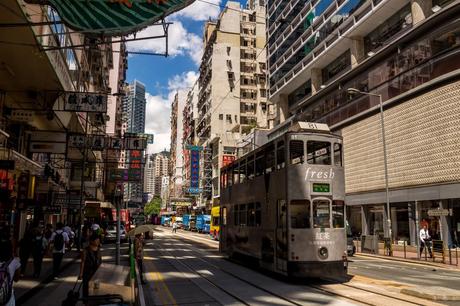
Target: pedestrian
pixel 9 272
pixel 174 227
pixel 425 240
pixel 25 249
pixel 39 247
pixel 58 239
pixel 139 253
pixel 71 235
pixel 90 261
pixel 48 231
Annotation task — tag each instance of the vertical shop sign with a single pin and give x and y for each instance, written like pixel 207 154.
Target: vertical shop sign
pixel 194 171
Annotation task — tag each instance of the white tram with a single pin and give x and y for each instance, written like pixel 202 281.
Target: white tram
pixel 283 204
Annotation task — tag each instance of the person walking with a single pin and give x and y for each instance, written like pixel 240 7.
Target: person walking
pixel 25 249
pixel 90 261
pixel 58 239
pixel 139 253
pixel 425 240
pixel 9 273
pixel 174 227
pixel 39 247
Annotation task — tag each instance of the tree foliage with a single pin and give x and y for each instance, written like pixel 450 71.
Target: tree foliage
pixel 153 207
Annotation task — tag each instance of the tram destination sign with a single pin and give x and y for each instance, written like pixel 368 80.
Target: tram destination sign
pixel 321 187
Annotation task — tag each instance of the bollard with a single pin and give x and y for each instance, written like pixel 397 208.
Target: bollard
pixel 450 256
pixel 404 249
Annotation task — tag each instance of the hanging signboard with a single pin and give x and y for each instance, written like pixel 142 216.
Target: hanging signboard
pixel 112 17
pixel 194 172
pixel 52 210
pixel 85 102
pixel 125 175
pixel 101 142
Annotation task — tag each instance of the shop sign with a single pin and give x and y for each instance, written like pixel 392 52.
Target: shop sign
pixel 147 137
pixel 125 175
pixel 48 142
pixel 7 164
pixel 194 172
pixel 52 210
pixel 112 17
pixel 227 160
pixel 101 142
pixel 85 102
pixel 439 212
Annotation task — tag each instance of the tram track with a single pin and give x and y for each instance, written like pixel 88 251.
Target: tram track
pixel 205 277
pixel 333 292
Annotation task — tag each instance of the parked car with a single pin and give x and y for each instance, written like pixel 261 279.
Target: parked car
pixel 111 233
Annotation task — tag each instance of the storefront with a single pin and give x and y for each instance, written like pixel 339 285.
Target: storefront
pixel 421 206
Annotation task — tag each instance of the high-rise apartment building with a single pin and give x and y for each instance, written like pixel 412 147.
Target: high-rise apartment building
pixel 175 161
pixel 405 52
pixel 134 106
pixel 233 96
pixel 156 168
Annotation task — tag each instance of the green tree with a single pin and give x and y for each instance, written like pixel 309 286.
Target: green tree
pixel 153 207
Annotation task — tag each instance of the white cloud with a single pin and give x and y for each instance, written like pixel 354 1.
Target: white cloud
pixel 180 41
pixel 158 110
pixel 201 10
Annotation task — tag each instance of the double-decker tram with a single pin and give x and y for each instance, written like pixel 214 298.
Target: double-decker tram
pixel 283 204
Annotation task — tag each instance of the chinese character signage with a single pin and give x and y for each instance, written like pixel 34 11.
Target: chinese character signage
pixel 194 171
pixel 85 102
pixel 101 142
pixel 227 160
pixel 125 175
pixel 112 17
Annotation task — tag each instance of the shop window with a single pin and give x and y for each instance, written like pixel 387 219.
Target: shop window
pixel 296 152
pixel 319 152
pixel 300 213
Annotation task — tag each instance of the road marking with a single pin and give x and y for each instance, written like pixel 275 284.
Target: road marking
pixel 159 281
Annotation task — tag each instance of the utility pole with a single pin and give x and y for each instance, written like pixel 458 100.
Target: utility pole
pixel 117 203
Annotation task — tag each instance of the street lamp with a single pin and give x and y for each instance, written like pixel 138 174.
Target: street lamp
pixel 382 124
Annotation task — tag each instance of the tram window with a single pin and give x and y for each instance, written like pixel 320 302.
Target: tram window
pixel 236 174
pixel 258 220
pixel 243 216
pixel 243 171
pixel 236 215
pixel 224 216
pixel 321 214
pixel 260 163
pixel 250 167
pixel 338 217
pixel 251 215
pixel 338 154
pixel 296 152
pixel 300 214
pixel 280 158
pixel 319 152
pixel 270 159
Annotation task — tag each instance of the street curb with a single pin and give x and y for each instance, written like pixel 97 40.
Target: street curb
pixel 30 293
pixel 424 293
pixel 423 263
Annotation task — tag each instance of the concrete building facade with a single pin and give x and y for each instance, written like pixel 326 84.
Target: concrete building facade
pixel 407 52
pixel 232 95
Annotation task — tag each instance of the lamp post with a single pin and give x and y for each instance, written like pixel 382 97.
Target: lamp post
pixel 382 125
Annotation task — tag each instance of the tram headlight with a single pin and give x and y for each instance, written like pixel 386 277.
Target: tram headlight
pixel 323 253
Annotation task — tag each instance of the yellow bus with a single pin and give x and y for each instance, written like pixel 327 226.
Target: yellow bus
pixel 215 219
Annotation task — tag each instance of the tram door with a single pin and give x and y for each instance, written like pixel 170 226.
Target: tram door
pixel 281 236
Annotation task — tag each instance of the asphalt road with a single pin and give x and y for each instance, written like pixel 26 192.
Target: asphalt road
pixel 402 272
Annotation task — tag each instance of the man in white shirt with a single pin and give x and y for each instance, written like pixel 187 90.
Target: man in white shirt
pixel 424 239
pixel 59 239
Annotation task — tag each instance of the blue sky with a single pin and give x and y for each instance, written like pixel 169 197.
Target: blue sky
pixel 162 76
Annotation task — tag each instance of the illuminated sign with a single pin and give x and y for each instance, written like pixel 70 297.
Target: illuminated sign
pixel 194 171
pixel 321 187
pixel 112 17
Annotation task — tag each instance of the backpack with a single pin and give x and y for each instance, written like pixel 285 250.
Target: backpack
pixel 59 241
pixel 6 284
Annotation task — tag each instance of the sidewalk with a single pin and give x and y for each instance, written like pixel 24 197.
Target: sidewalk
pixel 53 292
pixel 411 258
pixel 28 286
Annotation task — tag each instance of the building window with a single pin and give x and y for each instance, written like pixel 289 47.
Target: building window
pixel 389 28
pixel 300 93
pixel 221 116
pixel 228 118
pixel 337 67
